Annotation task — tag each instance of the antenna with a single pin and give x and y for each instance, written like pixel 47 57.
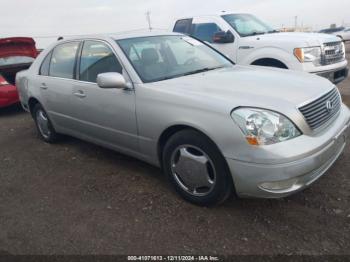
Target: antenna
pixel 148 17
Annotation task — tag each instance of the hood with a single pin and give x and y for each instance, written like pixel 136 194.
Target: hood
pixel 17 46
pixel 299 39
pixel 225 89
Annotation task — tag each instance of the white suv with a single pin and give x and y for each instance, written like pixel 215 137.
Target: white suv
pixel 341 32
pixel 248 41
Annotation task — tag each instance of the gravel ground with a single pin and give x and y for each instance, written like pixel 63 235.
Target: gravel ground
pixel 77 198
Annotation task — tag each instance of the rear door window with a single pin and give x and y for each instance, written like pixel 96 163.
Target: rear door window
pixel 45 66
pixel 183 26
pixel 97 58
pixel 205 32
pixel 63 60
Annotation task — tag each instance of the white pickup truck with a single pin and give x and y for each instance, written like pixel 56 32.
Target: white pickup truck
pixel 248 41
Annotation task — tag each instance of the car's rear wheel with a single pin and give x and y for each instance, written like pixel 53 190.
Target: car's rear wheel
pixel 196 168
pixel 43 124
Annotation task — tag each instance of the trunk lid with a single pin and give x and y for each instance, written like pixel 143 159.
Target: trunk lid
pixel 17 46
pixel 16 54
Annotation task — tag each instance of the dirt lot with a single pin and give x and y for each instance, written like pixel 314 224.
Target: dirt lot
pixel 77 198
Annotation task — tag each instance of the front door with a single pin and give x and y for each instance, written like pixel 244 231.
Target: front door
pixel 204 29
pixel 104 115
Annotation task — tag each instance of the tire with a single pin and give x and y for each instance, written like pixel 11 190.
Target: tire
pixel 196 168
pixel 44 126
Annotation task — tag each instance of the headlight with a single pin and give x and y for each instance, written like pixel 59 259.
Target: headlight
pixel 343 48
pixel 309 54
pixel 264 127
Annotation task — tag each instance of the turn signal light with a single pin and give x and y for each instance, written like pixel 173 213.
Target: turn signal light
pixel 252 140
pixel 299 53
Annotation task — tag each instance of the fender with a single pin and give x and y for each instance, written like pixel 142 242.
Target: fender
pixel 271 52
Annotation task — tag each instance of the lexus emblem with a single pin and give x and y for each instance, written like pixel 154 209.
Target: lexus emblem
pixel 329 106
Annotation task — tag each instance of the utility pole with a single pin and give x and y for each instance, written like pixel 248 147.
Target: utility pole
pixel 148 17
pixel 296 23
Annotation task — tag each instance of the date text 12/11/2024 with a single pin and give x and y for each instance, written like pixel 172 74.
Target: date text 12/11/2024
pixel 173 258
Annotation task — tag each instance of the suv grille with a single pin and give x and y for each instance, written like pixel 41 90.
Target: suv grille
pixel 322 110
pixel 333 53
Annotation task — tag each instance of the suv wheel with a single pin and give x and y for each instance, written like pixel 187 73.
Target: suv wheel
pixel 44 126
pixel 196 168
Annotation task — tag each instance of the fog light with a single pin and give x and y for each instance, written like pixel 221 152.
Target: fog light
pixel 280 185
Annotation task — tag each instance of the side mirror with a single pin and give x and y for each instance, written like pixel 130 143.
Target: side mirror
pixel 223 37
pixel 111 80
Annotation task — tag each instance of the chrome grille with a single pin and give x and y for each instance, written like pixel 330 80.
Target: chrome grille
pixel 333 53
pixel 322 110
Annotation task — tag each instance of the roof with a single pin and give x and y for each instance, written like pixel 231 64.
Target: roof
pixel 143 33
pixel 122 35
pixel 215 14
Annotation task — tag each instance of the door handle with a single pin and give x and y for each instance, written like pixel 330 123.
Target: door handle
pixel 43 86
pixel 80 94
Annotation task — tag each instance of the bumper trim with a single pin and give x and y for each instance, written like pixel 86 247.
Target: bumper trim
pixel 335 76
pixel 249 177
pixel 308 179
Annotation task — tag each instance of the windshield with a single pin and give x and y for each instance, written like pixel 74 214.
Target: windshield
pixel 15 60
pixel 159 58
pixel 247 25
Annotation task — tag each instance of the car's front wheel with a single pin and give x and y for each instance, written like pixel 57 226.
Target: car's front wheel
pixel 196 168
pixel 44 126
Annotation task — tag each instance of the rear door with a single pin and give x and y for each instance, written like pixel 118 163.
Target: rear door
pixel 56 80
pixel 104 115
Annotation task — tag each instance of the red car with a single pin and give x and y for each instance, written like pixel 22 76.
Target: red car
pixel 16 54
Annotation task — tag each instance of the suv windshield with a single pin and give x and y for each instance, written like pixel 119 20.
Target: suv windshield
pixel 247 25
pixel 159 58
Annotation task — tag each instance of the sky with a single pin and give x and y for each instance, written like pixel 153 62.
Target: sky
pixel 46 19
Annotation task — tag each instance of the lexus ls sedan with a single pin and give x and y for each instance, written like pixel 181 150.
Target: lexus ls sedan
pixel 176 103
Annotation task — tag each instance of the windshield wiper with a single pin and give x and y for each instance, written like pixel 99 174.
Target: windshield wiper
pixel 206 69
pixel 273 31
pixel 166 78
pixel 257 33
pixel 189 73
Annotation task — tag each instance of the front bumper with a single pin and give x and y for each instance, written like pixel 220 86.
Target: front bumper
pixel 335 76
pixel 336 73
pixel 281 180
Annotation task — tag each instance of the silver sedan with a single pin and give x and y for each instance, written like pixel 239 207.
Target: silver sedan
pixel 174 102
